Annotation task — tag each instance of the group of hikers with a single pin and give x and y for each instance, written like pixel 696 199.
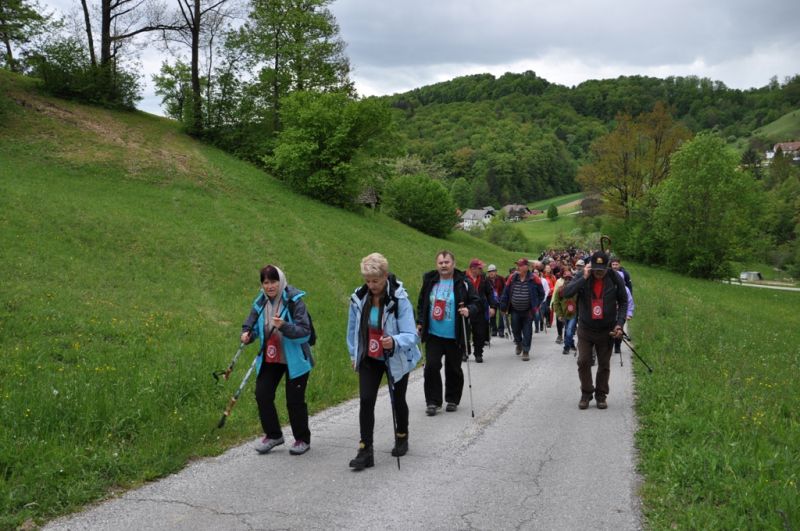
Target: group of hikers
pixel 455 310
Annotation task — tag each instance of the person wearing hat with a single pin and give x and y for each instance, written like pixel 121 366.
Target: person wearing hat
pixel 479 323
pixel 521 298
pixel 602 306
pixel 446 297
pixel 566 312
pixel 497 282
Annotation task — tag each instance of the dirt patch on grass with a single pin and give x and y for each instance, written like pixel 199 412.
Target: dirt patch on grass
pixel 89 134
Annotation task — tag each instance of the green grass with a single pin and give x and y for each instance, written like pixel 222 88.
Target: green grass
pixel 130 257
pixel 560 200
pixel 784 129
pixel 542 232
pixel 719 424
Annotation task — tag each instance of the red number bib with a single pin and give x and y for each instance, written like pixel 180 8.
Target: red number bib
pixel 375 349
pixel 438 309
pixel 570 306
pixel 272 353
pixel 597 309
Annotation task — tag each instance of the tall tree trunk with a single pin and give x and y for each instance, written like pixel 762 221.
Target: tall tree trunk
pixel 92 56
pixel 9 56
pixel 197 97
pixel 105 33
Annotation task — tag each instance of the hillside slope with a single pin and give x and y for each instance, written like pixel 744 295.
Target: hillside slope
pixel 130 256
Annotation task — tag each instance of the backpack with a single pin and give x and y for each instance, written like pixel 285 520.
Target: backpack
pixel 312 339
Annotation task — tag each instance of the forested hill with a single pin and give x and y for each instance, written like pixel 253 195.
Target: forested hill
pixel 520 137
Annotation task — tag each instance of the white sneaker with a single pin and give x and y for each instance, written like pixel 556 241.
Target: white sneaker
pixel 266 444
pixel 299 448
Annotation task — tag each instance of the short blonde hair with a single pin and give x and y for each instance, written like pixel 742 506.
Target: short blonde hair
pixel 374 265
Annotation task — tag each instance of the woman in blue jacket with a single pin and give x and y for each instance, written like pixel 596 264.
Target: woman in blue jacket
pixel 382 338
pixel 284 328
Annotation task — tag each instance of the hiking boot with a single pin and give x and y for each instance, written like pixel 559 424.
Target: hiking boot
pixel 299 448
pixel 525 356
pixel 478 359
pixel 432 409
pixel 400 445
pixel 565 351
pixel 560 340
pixel 464 357
pixel 451 407
pixel 266 444
pixel 584 403
pixel 617 350
pixel 601 402
pixel 365 458
pixel 519 349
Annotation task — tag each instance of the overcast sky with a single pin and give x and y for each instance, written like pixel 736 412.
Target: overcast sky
pixel 395 46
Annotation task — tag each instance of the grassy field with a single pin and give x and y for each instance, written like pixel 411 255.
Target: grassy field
pixel 130 257
pixel 719 430
pixel 558 201
pixel 784 129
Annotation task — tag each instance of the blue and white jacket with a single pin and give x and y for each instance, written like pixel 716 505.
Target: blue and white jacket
pixel 398 322
pixel 295 332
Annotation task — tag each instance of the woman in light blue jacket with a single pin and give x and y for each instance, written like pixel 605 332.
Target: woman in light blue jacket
pixel 382 338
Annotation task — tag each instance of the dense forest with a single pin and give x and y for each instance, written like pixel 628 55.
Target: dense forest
pixel 519 137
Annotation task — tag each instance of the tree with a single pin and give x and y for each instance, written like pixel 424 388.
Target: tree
pixel 293 45
pixel 633 158
pixel 174 85
pixel 201 22
pixel 422 203
pixel 20 20
pixel 552 212
pixel 707 210
pixel 330 144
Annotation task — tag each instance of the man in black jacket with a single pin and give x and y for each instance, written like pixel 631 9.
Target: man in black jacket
pixel 445 297
pixel 602 303
pixel 479 323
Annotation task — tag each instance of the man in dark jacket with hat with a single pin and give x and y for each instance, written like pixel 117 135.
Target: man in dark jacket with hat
pixel 602 303
pixel 445 298
pixel 479 324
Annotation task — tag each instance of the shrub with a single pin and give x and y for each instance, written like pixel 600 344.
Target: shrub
pixel 422 203
pixel 507 235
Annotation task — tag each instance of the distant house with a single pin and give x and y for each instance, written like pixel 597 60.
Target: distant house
pixel 476 217
pixel 516 212
pixel 789 149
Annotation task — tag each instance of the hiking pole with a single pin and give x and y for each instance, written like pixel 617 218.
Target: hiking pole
pixel 390 386
pixel 227 372
pixel 625 338
pixel 469 352
pixel 235 397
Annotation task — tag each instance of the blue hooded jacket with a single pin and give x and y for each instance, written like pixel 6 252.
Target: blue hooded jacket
pixel 398 322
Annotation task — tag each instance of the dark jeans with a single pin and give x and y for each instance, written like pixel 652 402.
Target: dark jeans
pixel 560 326
pixel 266 385
pixel 496 324
pixel 600 341
pixel 521 327
pixel 370 373
pixel 435 348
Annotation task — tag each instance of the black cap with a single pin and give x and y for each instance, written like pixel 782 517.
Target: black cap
pixel 599 261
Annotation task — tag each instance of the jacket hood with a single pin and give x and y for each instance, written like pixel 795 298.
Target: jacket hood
pixel 394 289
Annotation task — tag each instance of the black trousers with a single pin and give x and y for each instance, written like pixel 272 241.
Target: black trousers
pixel 435 348
pixel 370 373
pixel 480 332
pixel 266 385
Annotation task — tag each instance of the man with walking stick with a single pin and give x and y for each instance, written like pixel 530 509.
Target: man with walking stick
pixel 443 292
pixel 602 306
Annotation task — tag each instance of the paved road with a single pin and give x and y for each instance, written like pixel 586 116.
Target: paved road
pixel 530 459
